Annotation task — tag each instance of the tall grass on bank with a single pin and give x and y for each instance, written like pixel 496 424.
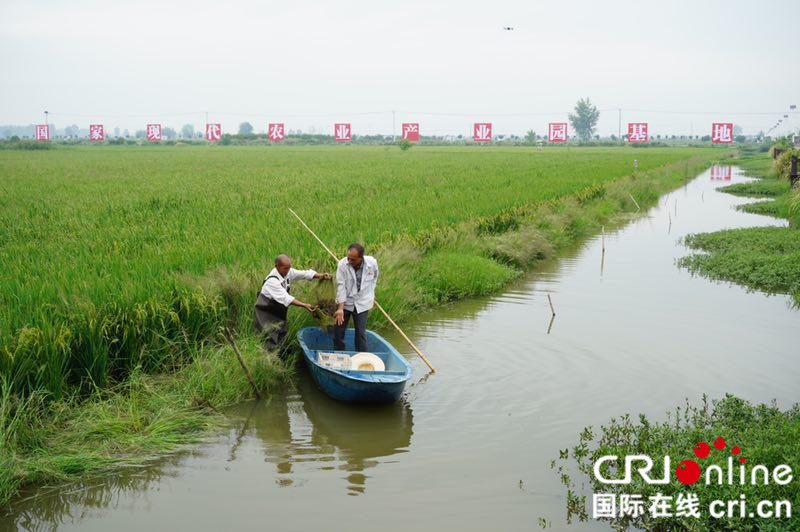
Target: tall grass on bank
pixel 772 185
pixel 761 258
pixel 43 441
pixel 96 244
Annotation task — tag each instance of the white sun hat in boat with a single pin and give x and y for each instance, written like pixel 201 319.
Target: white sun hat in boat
pixel 367 362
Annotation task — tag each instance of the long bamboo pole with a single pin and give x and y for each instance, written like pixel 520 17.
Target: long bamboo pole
pixel 386 314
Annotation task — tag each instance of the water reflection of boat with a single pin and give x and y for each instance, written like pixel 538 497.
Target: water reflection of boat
pixel 307 429
pixel 362 434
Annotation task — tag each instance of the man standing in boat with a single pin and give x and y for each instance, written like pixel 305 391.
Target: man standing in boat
pixel 274 300
pixel 356 277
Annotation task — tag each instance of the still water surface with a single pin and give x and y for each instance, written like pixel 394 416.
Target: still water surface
pixel 469 447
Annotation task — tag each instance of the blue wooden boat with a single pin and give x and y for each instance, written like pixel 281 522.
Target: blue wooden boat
pixel 355 386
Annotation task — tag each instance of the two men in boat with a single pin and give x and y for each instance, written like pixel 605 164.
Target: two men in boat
pixel 356 277
pixel 274 300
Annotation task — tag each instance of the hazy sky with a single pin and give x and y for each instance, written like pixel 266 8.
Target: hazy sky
pixel 443 64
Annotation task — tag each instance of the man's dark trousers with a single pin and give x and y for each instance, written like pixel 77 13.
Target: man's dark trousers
pixel 270 322
pixel 360 325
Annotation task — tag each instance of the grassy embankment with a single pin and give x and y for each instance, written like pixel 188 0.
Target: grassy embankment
pixel 119 265
pixel 764 434
pixel 762 258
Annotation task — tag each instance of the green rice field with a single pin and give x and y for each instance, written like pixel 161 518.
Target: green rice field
pixel 104 251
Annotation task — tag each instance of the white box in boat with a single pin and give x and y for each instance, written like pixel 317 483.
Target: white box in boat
pixel 333 360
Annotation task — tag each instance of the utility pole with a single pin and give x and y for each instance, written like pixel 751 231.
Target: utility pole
pixel 46 113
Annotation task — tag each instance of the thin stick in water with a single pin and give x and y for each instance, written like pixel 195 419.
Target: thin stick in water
pixel 551 304
pixel 229 338
pixel 602 262
pixel 634 202
pixel 603 238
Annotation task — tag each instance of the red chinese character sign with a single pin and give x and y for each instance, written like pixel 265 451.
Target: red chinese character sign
pixel 482 132
pixel 637 132
pixel 153 132
pixel 213 132
pixel 411 132
pixel 721 133
pixel 97 133
pixel 557 132
pixel 42 132
pixel 342 133
pixel 276 132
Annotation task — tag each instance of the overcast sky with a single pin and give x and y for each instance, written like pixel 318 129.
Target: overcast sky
pixel 443 64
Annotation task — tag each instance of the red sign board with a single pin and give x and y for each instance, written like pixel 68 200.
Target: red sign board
pixel 482 132
pixel 153 132
pixel 213 132
pixel 275 132
pixel 97 133
pixel 557 132
pixel 342 133
pixel 411 132
pixel 721 132
pixel 43 132
pixel 637 132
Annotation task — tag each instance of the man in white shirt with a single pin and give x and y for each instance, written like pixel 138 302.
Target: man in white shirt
pixel 274 300
pixel 356 277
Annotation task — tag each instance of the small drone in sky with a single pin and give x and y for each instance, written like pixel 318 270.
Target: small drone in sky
pixel 508 28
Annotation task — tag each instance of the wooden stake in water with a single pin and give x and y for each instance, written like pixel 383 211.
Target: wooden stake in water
pixel 229 337
pixel 602 249
pixel 634 202
pixel 550 300
pixel 386 314
pixel 603 238
pixel 602 262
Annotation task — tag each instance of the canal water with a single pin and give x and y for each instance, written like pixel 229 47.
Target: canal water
pixel 469 447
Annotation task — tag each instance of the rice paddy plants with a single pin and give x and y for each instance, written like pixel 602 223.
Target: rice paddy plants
pixel 98 245
pixel 324 299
